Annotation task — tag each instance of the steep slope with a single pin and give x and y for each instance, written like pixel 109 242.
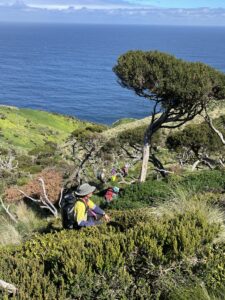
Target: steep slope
pixel 26 128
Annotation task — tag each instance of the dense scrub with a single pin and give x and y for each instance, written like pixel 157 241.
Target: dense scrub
pixel 127 259
pixel 155 192
pixel 198 142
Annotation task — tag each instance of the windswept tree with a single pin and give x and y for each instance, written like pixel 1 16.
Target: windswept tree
pixel 180 90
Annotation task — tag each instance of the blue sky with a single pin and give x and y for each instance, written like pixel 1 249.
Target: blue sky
pixel 154 12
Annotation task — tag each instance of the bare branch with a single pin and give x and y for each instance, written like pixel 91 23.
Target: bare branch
pixel 8 212
pixel 29 197
pixel 11 289
pixel 207 162
pixel 221 162
pixel 45 202
pixel 210 123
pixel 163 171
pixel 61 196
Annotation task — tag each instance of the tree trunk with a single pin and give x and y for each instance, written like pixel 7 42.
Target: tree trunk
pixel 195 165
pixel 158 165
pixel 154 125
pixel 145 159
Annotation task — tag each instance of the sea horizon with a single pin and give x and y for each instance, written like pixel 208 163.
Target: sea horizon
pixel 67 68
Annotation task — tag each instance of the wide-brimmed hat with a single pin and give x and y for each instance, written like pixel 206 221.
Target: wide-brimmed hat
pixel 85 189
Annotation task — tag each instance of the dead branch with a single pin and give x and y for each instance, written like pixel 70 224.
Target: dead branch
pixel 44 202
pixel 8 212
pixel 61 196
pixel 11 289
pixel 211 163
pixel 127 182
pixel 47 202
pixel 158 166
pixel 221 162
pixel 123 179
pixel 76 174
pixel 210 123
pixel 163 171
pixel 207 162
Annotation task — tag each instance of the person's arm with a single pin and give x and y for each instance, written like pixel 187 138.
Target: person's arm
pixel 95 208
pixel 98 210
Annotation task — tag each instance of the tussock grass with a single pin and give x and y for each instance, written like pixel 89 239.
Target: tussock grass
pixel 8 233
pixel 28 222
pixel 197 292
pixel 183 200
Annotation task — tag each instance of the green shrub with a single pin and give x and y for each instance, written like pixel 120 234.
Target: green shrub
pixel 93 130
pixel 41 152
pixel 118 261
pixel 33 169
pixel 96 128
pixel 24 161
pixel 195 138
pixel 150 192
pixel 141 195
pixel 154 192
pixel 204 181
pixel 211 269
pixel 22 181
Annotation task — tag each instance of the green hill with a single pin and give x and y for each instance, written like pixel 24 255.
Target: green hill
pixel 27 128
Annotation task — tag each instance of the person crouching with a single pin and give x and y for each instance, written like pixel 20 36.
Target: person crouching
pixel 86 212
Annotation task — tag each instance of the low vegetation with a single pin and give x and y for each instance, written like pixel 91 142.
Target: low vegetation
pixel 139 254
pixel 166 237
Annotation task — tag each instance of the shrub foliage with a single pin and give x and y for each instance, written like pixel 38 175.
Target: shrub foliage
pixel 122 260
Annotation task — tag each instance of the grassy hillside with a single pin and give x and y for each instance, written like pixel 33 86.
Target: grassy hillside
pixel 217 111
pixel 27 128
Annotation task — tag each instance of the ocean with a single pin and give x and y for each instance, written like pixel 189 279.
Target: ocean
pixel 68 68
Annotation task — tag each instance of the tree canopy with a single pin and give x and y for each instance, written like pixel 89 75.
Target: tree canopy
pixel 184 87
pixel 179 89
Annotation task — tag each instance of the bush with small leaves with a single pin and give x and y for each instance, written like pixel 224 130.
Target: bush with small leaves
pixel 198 140
pixel 121 260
